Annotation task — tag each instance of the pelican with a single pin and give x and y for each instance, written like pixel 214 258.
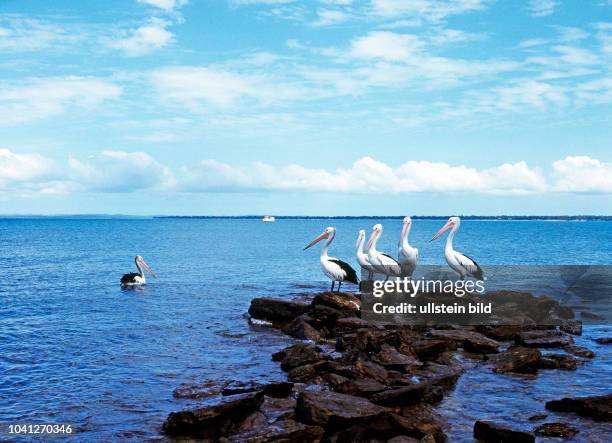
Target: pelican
pixel 336 270
pixel 460 263
pixel 407 255
pixel 381 262
pixel 362 256
pixel 137 278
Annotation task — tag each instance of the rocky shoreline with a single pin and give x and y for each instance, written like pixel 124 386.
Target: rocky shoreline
pixel 350 380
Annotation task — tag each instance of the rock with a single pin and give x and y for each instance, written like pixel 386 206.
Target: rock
pixel 573 327
pixel 560 430
pixel 469 340
pixel 543 339
pixel 491 432
pixel 604 340
pixel 444 376
pixel 346 304
pixel 504 332
pixel 299 355
pixel 517 359
pixel 240 387
pixel 349 324
pixel 402 439
pixel 197 392
pixel 579 351
pixel 391 357
pixel 591 316
pixel 538 417
pixel 285 431
pixel 558 361
pixel 279 389
pixel 363 368
pixel 276 310
pixel 278 408
pixel 333 410
pixel 409 395
pixel 300 328
pixel 221 419
pixel 307 372
pixel 597 407
pixel 430 349
pixel 361 387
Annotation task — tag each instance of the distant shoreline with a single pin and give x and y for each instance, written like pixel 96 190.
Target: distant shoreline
pixel 315 217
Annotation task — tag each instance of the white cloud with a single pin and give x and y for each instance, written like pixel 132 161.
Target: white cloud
pixel 430 10
pixel 118 171
pixel 27 34
pixel 582 174
pixel 542 8
pixel 145 39
pixel 386 45
pixel 26 172
pixel 39 98
pixel 329 17
pixel 166 5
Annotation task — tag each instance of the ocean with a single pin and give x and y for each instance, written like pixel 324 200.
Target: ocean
pixel 76 348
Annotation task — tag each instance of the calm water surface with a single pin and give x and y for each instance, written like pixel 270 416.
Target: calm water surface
pixel 76 348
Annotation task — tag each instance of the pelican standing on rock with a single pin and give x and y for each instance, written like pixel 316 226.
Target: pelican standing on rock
pixel 406 254
pixel 362 256
pixel 381 262
pixel 336 270
pixel 137 278
pixel 460 263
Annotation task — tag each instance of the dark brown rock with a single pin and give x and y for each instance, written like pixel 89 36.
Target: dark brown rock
pixel 504 332
pixel 221 419
pixel 300 328
pixel 604 340
pixel 597 407
pixel 307 372
pixel 560 430
pixel 558 361
pixel 579 351
pixel 469 340
pixel 333 410
pixel 538 417
pixel 573 327
pixel 517 359
pixel 361 387
pixel 543 339
pixel 491 432
pixel 195 392
pixel 276 310
pixel 347 305
pixel 299 355
pixel 278 408
pixel 281 431
pixel 409 395
pixel 430 349
pixel 363 368
pixel 591 316
pixel 444 376
pixel 388 356
pixel 349 324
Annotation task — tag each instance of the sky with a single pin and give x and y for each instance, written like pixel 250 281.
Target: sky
pixel 328 107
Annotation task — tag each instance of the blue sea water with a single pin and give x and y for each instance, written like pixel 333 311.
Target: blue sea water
pixel 76 348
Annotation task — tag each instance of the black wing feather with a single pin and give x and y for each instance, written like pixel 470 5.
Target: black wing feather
pixel 351 275
pixel 387 255
pixel 478 274
pixel 128 278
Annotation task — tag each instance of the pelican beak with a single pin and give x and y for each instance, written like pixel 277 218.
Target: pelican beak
pixel 371 240
pixel 358 240
pixel 404 230
pixel 149 270
pixel 317 240
pixel 445 228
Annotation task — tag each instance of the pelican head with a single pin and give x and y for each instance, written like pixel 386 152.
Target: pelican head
pixel 405 227
pixel 140 262
pixel 452 223
pixel 376 232
pixel 360 237
pixel 328 232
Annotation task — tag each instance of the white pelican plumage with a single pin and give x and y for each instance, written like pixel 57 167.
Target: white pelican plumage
pixel 336 270
pixel 362 256
pixel 460 263
pixel 381 262
pixel 406 254
pixel 137 278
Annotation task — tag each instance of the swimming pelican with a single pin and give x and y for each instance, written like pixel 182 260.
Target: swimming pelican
pixel 381 262
pixel 407 255
pixel 362 256
pixel 137 278
pixel 336 270
pixel 460 263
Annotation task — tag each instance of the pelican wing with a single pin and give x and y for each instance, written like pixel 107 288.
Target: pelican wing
pixel 388 256
pixel 470 265
pixel 129 278
pixel 350 274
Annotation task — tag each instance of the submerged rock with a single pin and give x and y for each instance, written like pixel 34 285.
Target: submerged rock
pixel 469 340
pixel 492 432
pixel 517 359
pixel 276 310
pixel 604 340
pixel 298 355
pixel 196 392
pixel 409 395
pixel 579 351
pixel 558 361
pixel 285 430
pixel 548 338
pixel 560 430
pixel 573 327
pixel 597 407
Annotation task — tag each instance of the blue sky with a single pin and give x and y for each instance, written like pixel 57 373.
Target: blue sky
pixel 327 107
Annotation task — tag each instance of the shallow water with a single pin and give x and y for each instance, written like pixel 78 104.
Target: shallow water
pixel 76 348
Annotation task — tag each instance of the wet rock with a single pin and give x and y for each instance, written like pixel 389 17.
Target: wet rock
pixel 597 407
pixel 278 408
pixel 504 332
pixel 307 372
pixel 558 361
pixel 409 395
pixel 543 339
pixel 196 392
pixel 560 430
pixel 573 327
pixel 285 430
pixel 361 387
pixel 517 359
pixel 444 376
pixel 300 328
pixel 363 368
pixel 538 417
pixel 403 439
pixel 591 316
pixel 388 356
pixel 276 310
pixel 299 355
pixel 579 351
pixel 333 410
pixel 349 324
pixel 469 340
pixel 221 419
pixel 492 432
pixel 430 349
pixel 604 340
pixel 347 305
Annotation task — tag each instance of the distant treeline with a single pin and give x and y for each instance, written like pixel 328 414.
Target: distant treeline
pixel 399 217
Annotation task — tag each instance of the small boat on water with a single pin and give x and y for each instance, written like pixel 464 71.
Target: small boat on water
pixel 268 219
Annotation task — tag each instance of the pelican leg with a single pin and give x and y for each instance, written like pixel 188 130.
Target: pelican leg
pixel 339 284
pixel 332 288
